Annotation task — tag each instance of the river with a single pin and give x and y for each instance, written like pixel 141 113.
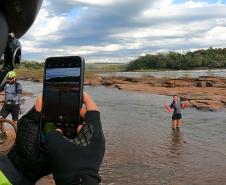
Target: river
pixel 141 149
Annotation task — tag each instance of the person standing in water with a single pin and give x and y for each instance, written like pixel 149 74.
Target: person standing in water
pixel 176 107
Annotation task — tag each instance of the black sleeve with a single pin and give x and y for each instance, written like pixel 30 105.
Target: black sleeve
pixel 11 173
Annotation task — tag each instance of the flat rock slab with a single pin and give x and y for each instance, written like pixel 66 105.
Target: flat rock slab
pixel 210 97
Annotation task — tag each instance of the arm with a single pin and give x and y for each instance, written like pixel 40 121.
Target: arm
pixel 2 86
pixel 168 108
pixel 183 105
pixel 19 88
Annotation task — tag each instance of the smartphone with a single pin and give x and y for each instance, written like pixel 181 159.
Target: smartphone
pixel 62 95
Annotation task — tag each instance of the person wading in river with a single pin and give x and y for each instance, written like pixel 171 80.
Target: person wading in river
pixel 176 107
pixel 13 90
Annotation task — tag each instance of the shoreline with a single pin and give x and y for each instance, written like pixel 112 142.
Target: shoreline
pixel 204 92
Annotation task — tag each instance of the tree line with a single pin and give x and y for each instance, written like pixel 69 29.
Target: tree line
pixel 31 65
pixel 209 58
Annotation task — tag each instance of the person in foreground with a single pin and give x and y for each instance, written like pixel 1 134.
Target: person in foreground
pixel 176 107
pixel 71 162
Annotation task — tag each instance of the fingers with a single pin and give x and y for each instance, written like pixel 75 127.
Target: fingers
pixel 90 112
pixel 166 105
pixel 59 130
pixel 38 104
pixel 83 112
pixel 79 128
pixel 89 103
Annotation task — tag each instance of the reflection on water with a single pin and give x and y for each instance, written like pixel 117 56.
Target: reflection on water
pixel 177 143
pixel 141 148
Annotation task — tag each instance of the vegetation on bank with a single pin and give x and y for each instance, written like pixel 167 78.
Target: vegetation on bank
pixel 210 58
pixel 30 69
pixel 105 67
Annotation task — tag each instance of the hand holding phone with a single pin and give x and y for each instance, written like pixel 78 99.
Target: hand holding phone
pixel 62 94
pixel 78 162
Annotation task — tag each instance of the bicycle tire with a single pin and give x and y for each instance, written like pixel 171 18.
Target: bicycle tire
pixel 9 122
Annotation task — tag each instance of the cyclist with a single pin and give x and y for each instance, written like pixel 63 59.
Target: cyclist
pixel 13 90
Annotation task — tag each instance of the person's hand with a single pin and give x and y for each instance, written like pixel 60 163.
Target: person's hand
pixel 184 105
pixel 168 109
pixel 78 160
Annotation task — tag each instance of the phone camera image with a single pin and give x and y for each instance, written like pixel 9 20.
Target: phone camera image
pixel 62 91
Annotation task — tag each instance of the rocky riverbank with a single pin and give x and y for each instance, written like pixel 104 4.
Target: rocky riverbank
pixel 205 92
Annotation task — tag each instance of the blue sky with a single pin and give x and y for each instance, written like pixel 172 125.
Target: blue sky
pixel 122 30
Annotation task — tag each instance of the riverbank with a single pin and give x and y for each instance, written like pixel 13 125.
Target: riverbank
pixel 204 92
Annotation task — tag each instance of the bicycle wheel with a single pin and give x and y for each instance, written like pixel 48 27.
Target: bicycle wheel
pixel 7 135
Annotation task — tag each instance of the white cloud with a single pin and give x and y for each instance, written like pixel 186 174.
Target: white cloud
pixel 103 3
pixel 119 30
pixel 46 27
pixel 96 2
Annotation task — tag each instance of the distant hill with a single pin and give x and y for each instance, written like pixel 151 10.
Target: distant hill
pixel 209 58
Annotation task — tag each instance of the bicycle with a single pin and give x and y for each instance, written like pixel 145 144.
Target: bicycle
pixel 6 126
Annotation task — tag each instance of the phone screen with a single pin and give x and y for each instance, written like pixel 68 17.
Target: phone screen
pixel 62 93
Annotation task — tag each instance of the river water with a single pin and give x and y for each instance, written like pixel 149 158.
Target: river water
pixel 141 149
pixel 170 74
